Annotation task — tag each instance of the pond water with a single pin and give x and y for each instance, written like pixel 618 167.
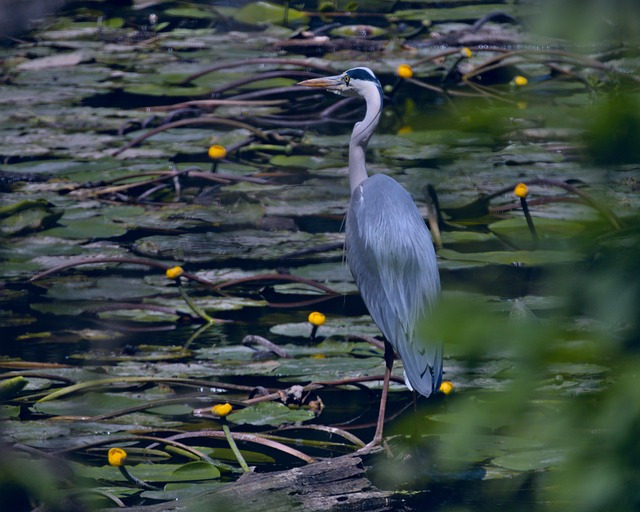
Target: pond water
pixel 108 112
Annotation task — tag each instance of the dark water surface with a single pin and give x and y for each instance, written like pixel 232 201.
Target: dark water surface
pixel 541 339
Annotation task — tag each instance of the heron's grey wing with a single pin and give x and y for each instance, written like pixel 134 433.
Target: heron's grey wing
pixel 392 260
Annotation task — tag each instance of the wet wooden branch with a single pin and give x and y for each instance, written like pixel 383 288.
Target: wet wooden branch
pixel 340 483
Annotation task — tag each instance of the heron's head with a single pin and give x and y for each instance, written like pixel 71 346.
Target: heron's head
pixel 353 82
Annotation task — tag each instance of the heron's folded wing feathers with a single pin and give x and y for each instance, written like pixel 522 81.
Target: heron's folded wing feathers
pixel 391 256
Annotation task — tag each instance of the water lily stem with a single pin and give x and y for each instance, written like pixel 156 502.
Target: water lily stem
pixel 527 215
pixel 194 306
pixel 235 450
pixel 136 481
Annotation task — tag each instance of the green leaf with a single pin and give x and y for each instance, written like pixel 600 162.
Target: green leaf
pixel 89 404
pixel 516 258
pixel 190 12
pixel 269 413
pixel 531 460
pixel 188 472
pixel 11 387
pixel 260 13
pixel 516 231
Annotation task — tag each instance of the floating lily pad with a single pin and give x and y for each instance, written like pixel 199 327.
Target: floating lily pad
pixel 515 258
pixel 28 216
pixel 218 247
pixel 531 460
pixel 144 353
pixel 305 162
pixel 115 288
pixel 333 329
pixel 359 31
pixel 87 229
pixel 188 472
pixel 173 492
pixel 516 232
pixel 260 13
pixel 88 404
pixel 333 368
pixel 190 12
pixel 269 413
pixel 11 387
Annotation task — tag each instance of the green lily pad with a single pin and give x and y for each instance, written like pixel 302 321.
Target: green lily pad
pixel 358 31
pixel 90 228
pixel 113 288
pixel 88 404
pixel 144 353
pixel 531 460
pixel 27 216
pixel 243 245
pixel 250 457
pixel 329 368
pixel 190 12
pixel 515 230
pixel 260 13
pixel 305 162
pixel 11 387
pixel 515 258
pixel 269 413
pixel 173 492
pixel 188 472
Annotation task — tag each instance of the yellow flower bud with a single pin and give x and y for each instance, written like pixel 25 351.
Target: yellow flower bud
pixel 117 457
pixel 520 81
pixel 465 52
pixel 221 409
pixel 174 272
pixel 217 152
pixel 404 71
pixel 446 387
pixel 316 318
pixel 521 190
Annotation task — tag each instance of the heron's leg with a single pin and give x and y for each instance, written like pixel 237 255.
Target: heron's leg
pixel 388 359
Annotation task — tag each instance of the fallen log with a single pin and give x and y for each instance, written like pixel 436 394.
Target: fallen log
pixel 331 485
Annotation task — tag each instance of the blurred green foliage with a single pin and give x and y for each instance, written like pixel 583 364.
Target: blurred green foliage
pixel 561 402
pixel 588 22
pixel 613 134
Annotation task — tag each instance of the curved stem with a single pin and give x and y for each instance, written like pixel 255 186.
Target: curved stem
pixel 194 307
pixel 188 122
pixel 235 450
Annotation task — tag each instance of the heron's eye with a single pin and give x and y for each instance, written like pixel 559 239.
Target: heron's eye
pixel 346 79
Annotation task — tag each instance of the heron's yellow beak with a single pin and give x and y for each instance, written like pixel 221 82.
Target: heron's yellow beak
pixel 325 82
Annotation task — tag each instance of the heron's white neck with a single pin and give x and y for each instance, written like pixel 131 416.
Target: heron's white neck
pixel 362 132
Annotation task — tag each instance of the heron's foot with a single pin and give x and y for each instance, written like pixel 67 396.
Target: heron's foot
pixel 375 446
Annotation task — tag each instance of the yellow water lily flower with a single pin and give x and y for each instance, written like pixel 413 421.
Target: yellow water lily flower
pixel 446 387
pixel 316 318
pixel 404 71
pixel 521 190
pixel 465 52
pixel 117 457
pixel 520 81
pixel 217 152
pixel 174 272
pixel 222 409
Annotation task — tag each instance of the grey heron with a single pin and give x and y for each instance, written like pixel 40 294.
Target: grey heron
pixel 389 250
